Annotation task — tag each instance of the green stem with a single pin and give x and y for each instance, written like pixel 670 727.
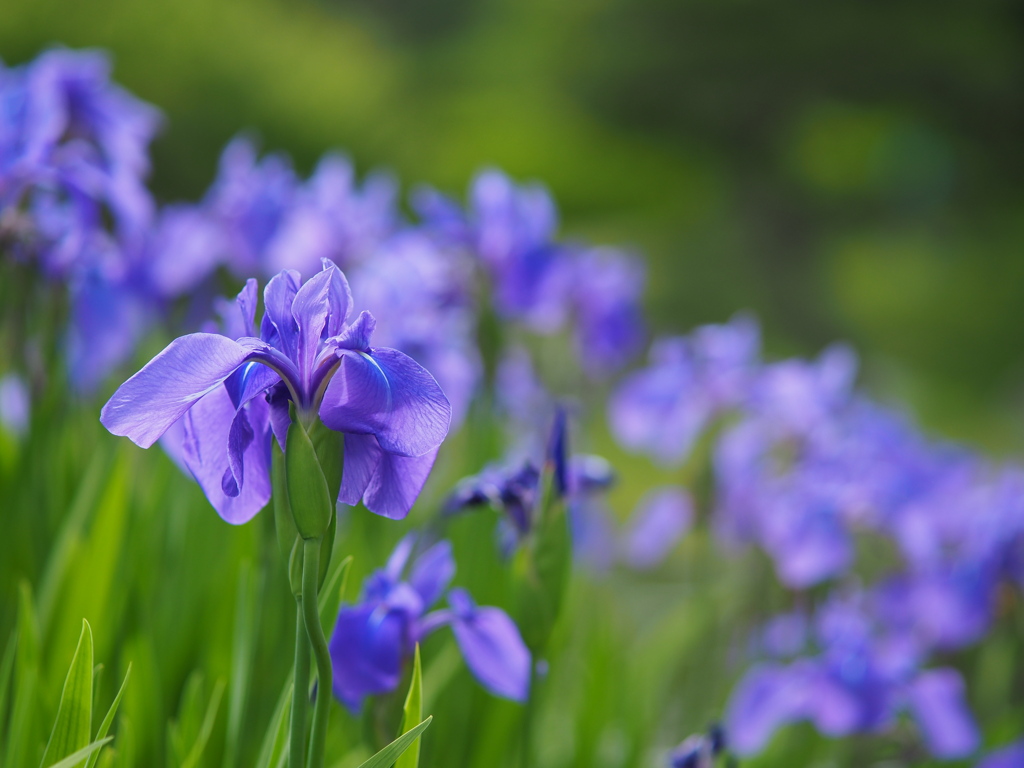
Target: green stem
pixel 528 715
pixel 324 672
pixel 300 691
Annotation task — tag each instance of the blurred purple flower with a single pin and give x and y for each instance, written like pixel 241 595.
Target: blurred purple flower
pixel 233 393
pixel 661 519
pixel 15 404
pixel 1011 756
pixel 663 408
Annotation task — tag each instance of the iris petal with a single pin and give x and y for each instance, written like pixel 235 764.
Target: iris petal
pixel 190 367
pixel 391 396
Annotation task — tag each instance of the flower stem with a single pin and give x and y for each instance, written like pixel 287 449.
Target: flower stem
pixel 324 672
pixel 300 692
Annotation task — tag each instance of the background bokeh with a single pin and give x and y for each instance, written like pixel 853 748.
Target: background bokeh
pixel 847 171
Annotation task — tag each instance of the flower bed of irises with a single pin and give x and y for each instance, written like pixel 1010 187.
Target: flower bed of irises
pixel 422 487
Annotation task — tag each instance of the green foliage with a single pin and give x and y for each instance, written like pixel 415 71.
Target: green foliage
pixel 387 756
pixel 412 713
pixel 73 728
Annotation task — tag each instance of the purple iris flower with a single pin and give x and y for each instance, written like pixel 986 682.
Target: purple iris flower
pixel 232 393
pixel 73 145
pixel 859 682
pixel 372 639
pixel 511 229
pixel 664 408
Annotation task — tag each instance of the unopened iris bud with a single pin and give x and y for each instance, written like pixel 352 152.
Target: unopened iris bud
pixel 308 494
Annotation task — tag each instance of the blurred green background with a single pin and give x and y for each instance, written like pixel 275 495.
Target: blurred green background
pixel 847 170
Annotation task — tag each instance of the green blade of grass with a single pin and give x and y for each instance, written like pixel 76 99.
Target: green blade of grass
pixel 76 758
pixel 275 743
pixel 387 756
pixel 413 713
pixel 108 719
pixel 72 729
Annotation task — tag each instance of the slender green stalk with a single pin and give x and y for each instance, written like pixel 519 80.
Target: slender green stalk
pixel 324 673
pixel 300 692
pixel 528 715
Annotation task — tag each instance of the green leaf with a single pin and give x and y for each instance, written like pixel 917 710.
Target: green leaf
pixel 108 719
pixel 73 727
pixel 6 665
pixel 308 494
pixel 207 728
pixel 387 756
pixel 413 713
pixel 76 759
pixel 243 644
pixel 69 538
pixel 275 742
pixel 24 724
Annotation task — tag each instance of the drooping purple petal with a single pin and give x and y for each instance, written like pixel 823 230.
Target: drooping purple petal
pixel 367 647
pixel 937 700
pixel 208 428
pixel 387 484
pixel 154 398
pixel 492 647
pixel 397 483
pixel 391 396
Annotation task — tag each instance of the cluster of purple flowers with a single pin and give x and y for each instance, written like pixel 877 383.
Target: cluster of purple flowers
pixel 73 161
pixel 803 467
pixel 375 637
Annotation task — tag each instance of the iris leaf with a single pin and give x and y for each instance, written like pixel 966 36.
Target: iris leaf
pixel 73 727
pixel 413 713
pixel 387 756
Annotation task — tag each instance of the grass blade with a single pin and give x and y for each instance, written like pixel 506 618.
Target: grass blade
pixel 207 728
pixel 413 713
pixel 275 743
pixel 76 759
pixel 24 725
pixel 73 728
pixel 109 718
pixel 387 756
pixel 243 645
pixel 6 665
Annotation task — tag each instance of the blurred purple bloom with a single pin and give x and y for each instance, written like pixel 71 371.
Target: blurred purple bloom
pixel 661 519
pixel 71 145
pixel 608 290
pixel 422 298
pixel 233 393
pixel 938 703
pixel 15 404
pixel 663 408
pixel 1007 757
pixel 372 639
